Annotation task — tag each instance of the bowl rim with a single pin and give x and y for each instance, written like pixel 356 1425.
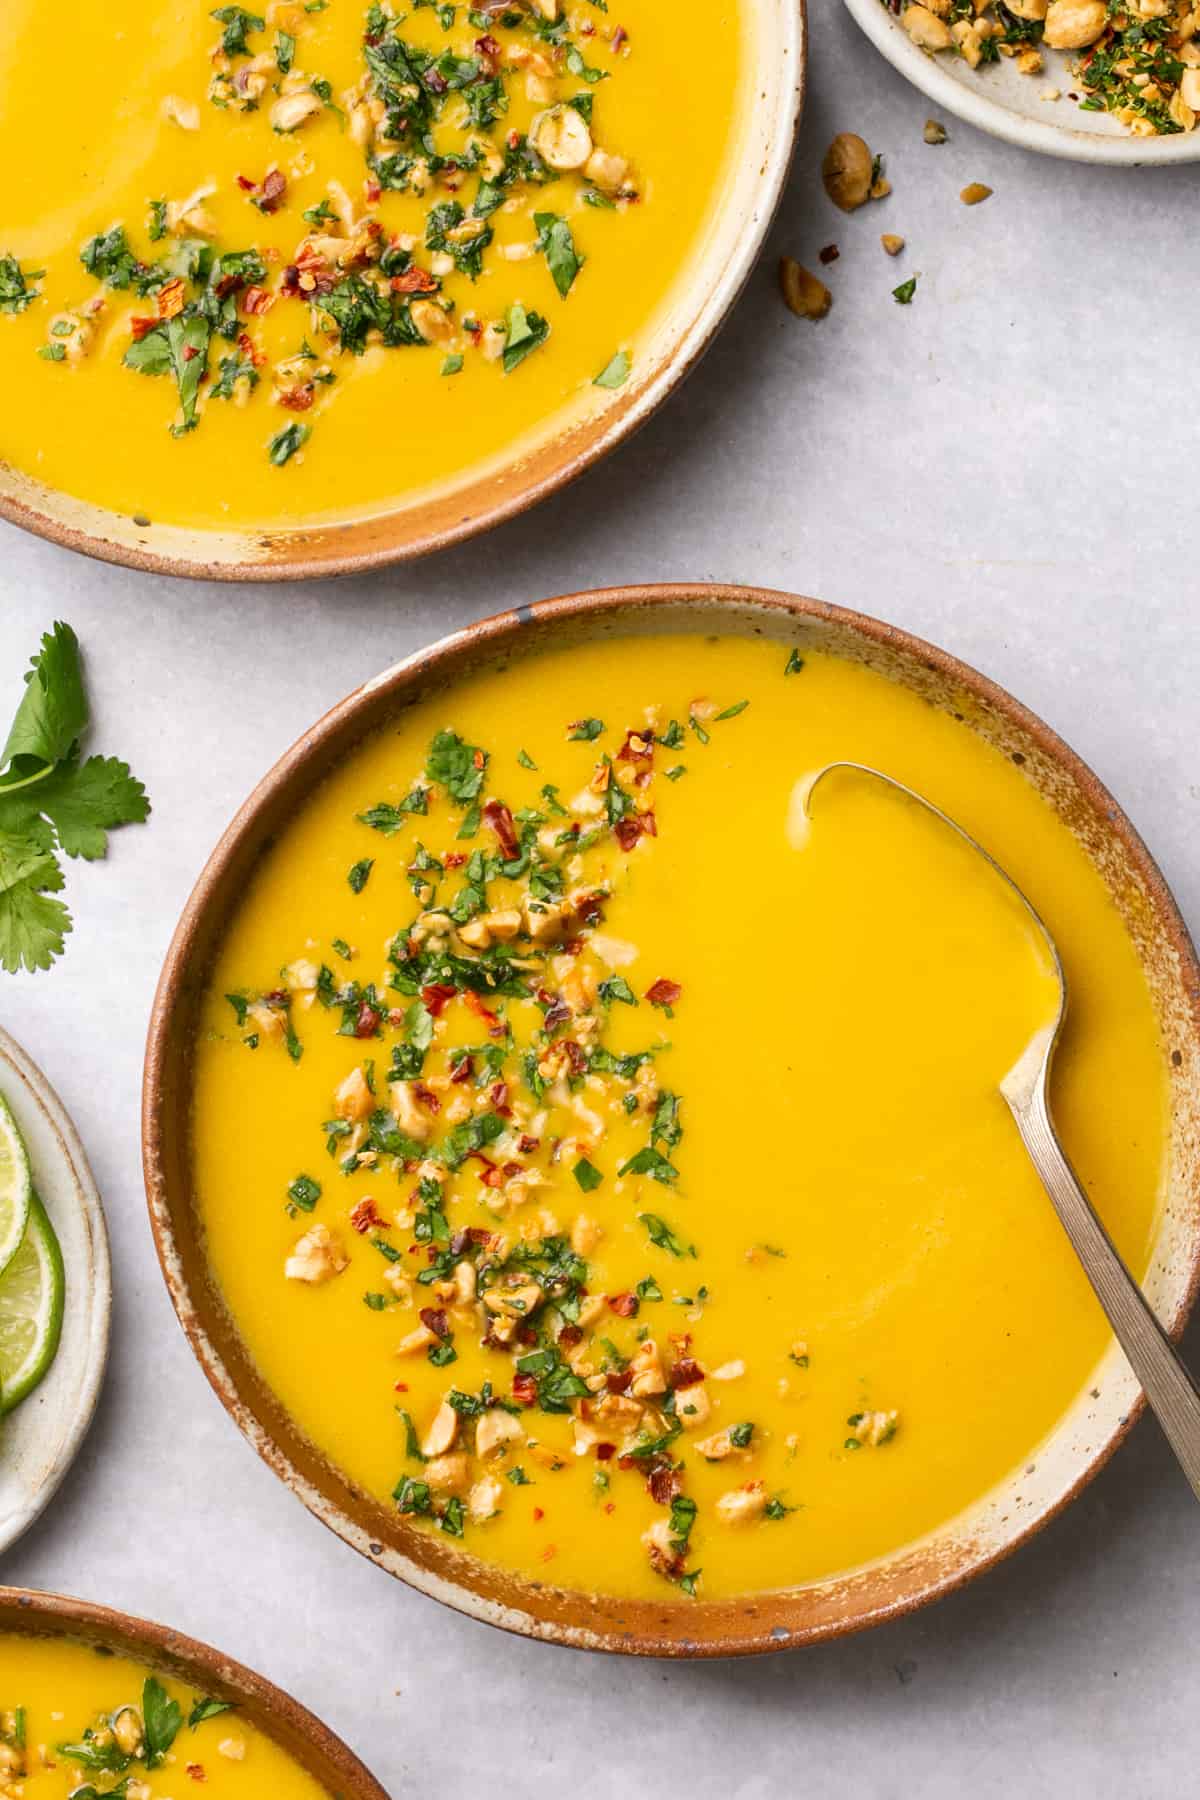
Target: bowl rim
pixel 285 781
pixel 498 493
pixel 30 1612
pixel 976 106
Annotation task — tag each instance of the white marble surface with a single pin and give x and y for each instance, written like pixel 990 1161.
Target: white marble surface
pixel 1003 467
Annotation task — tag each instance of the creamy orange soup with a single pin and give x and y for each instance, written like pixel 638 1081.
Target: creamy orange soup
pixel 297 260
pixel 605 1161
pixel 75 1721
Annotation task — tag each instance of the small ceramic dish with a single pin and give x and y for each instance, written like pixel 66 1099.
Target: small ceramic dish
pixel 44 1434
pixel 961 1548
pixel 483 497
pixel 1009 105
pixel 309 1743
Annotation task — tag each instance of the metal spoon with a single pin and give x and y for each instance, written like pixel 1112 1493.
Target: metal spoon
pixel 1168 1386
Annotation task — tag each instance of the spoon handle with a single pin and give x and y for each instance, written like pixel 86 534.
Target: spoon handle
pixel 1168 1386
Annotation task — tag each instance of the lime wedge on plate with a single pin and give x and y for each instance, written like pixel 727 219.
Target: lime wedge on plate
pixel 16 1186
pixel 31 1309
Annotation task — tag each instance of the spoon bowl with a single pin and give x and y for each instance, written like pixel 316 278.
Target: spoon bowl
pixel 1173 1395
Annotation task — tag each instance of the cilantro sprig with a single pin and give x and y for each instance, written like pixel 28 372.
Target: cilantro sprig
pixel 53 803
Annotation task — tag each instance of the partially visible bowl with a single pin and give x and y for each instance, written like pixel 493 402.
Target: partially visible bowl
pixel 43 1436
pixel 702 296
pixel 302 1736
pixel 1009 105
pixel 911 1576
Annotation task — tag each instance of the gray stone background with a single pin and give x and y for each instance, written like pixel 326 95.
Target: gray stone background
pixel 1007 466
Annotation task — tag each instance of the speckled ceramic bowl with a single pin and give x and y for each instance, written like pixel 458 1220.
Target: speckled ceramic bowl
pixel 964 1546
pixel 999 99
pixel 700 301
pixel 309 1743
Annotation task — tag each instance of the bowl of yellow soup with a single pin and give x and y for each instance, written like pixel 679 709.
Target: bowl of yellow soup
pixel 341 283
pixel 92 1702
pixel 579 1165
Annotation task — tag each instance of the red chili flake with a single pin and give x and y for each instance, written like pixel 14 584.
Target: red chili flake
pixel 576 1056
pixel 538 1514
pixel 367 1021
pixel 478 759
pixel 605 1451
pixel 297 399
pixel 427 1097
pixel 686 1374
pixel 256 301
pixel 454 859
pixel 610 1506
pixel 488 51
pixel 663 992
pixel 664 1482
pixel 619 1381
pixel 415 281
pixel 498 817
pixel 373 190
pixel 140 326
pixel 624 1305
pixel 470 1234
pixel 190 352
pixel 434 1319
pixel 196 1771
pixel 248 348
pixel 557 1013
pixel 526 1144
pixel 527 1334
pixel 637 748
pixel 620 38
pixel 401 1387
pixel 549 1552
pixel 512 1169
pixel 437 996
pixel 829 254
pixel 627 831
pixel 246 184
pixel 365 1214
pixel 498 1093
pixel 524 1389
pixel 478 1008
pixel 513 139
pixel 462 1070
pixel 490 1175
pixel 570 1335
pixel 270 194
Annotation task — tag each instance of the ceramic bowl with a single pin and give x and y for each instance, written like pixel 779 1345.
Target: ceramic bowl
pixel 964 1546
pixel 309 1743
pixel 1009 105
pixel 703 295
pixel 45 1433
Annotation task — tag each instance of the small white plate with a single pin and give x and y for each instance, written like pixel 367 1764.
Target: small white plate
pixel 41 1439
pixel 1009 105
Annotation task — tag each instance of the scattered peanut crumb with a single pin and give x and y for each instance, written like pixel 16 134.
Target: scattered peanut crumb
pixel 891 243
pixel 973 193
pixel 807 297
pixel 848 171
pixel 881 187
pixel 935 133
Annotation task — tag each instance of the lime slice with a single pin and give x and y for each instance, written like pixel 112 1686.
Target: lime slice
pixel 31 1309
pixel 16 1186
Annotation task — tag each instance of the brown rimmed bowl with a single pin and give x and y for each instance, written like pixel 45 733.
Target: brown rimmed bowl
pixel 954 1553
pixel 312 1745
pixel 701 298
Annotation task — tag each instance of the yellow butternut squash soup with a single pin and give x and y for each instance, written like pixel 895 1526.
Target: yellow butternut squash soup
pixel 80 1721
pixel 606 1160
pixel 292 261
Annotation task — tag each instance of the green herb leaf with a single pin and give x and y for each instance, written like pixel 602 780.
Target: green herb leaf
pixel 587 1175
pixel 162 1718
pixel 525 332
pixel 203 1709
pixel 558 247
pixel 284 445
pixel 615 372
pixel 662 1235
pixel 904 293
